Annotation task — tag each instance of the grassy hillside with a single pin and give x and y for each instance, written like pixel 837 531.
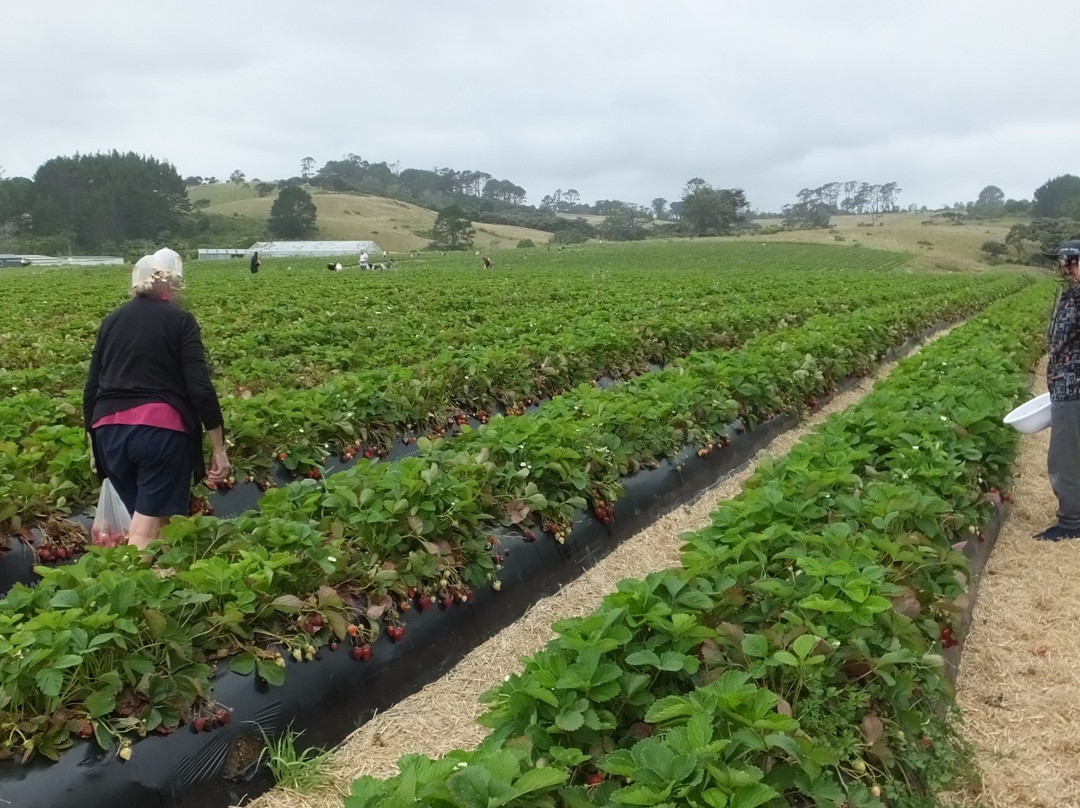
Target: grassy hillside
pixel 393 225
pixel 936 246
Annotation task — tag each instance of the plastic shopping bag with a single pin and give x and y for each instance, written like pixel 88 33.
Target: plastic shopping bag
pixel 112 520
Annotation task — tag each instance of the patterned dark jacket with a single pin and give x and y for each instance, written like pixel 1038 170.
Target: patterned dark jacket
pixel 1063 344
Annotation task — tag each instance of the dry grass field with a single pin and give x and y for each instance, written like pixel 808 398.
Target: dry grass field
pixel 936 246
pixel 393 225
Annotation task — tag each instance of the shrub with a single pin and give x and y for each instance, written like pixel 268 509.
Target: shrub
pixel 525 243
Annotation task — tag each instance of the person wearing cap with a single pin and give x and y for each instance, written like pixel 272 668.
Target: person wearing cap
pixel 1063 381
pixel 148 398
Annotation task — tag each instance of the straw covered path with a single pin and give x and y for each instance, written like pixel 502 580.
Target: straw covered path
pixel 441 717
pixel 1019 684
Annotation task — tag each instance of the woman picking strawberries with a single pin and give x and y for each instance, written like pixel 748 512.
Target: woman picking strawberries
pixel 148 398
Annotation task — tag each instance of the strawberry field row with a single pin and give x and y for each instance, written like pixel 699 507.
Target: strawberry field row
pixel 794 659
pixel 107 646
pixel 299 324
pixel 43 452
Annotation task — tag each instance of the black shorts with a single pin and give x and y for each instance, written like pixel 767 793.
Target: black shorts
pixel 149 467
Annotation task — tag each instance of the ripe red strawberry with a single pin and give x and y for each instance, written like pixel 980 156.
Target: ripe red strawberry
pixel 223 716
pixel 358 653
pixel 199 724
pixel 595 779
pixel 425 602
pixel 447 601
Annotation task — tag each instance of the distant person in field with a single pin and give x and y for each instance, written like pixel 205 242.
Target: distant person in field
pixel 487 263
pixel 148 398
pixel 255 263
pixel 1063 381
pixel 365 261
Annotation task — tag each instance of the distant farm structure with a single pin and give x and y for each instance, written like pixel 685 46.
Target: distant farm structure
pixel 221 254
pixel 312 249
pixel 70 260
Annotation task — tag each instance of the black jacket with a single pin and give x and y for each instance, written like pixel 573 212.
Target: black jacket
pixel 151 350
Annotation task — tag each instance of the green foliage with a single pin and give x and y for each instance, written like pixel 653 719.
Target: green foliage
pixel 293 214
pixel 994 249
pixel 16 199
pixel 297 386
pixel 1018 237
pixel 106 641
pixel 708 211
pixel 624 222
pixel 506 777
pixel 452 230
pixel 430 188
pixel 806 215
pixel 572 231
pixel 525 243
pixel 105 199
pixel 794 658
pixel 990 203
pixel 1058 198
pixel 302 772
pixel 1041 238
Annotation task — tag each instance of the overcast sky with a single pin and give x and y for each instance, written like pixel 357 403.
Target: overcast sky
pixel 618 99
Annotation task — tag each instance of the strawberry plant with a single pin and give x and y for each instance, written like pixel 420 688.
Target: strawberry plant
pixel 815 596
pixel 339 560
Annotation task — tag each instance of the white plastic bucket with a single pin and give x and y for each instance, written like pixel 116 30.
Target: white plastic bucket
pixel 1031 416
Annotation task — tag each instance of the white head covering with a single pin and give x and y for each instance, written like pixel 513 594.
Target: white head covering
pixel 164 261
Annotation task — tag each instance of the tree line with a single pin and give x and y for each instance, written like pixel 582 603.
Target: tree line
pixel 1055 217
pixel 814 207
pixel 121 203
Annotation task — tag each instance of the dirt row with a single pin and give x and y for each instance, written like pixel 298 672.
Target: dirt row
pixel 441 717
pixel 1019 683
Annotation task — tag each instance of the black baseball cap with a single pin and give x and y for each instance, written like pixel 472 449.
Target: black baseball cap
pixel 1069 249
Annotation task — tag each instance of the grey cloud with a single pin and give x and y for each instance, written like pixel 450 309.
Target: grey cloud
pixel 616 98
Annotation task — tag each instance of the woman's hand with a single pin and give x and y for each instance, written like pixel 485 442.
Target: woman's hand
pixel 219 466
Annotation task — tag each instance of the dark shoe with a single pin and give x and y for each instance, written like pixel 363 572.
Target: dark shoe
pixel 1057 533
